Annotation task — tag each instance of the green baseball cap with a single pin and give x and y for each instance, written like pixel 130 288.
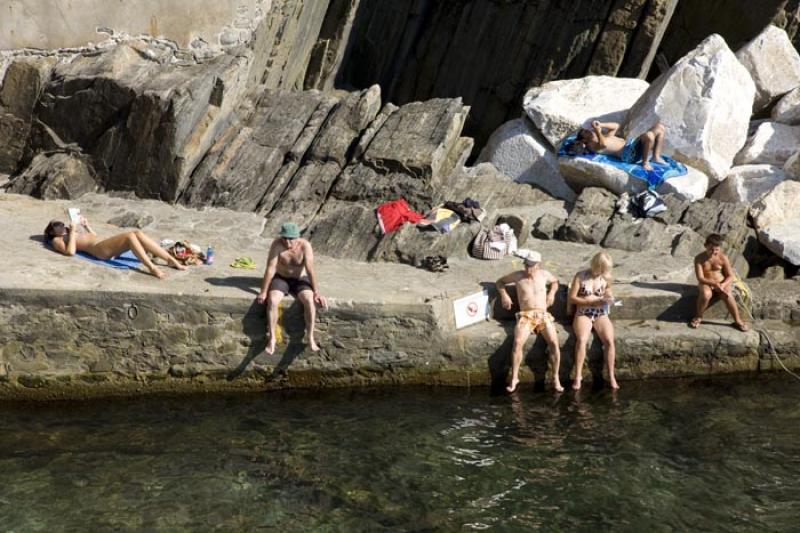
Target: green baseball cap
pixel 289 230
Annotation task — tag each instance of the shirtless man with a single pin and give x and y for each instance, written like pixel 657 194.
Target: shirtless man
pixel 602 139
pixel 714 276
pixel 80 237
pixel 534 299
pixel 290 269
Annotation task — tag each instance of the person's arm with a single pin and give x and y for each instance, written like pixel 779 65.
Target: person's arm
pixel 610 128
pixel 85 224
pixel 598 131
pixel 269 273
pixel 727 271
pixel 308 255
pixel 581 300
pixel 551 293
pixel 500 285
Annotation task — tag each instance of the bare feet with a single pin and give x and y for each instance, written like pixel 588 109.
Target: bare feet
pixel 312 344
pixel 270 349
pixel 613 383
pixel 647 166
pixel 741 326
pixel 695 322
pixel 157 273
pixel 576 383
pixel 179 266
pixel 557 386
pixel 659 160
pixel 512 387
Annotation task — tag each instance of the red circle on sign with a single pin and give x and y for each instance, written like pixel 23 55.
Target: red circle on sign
pixel 472 309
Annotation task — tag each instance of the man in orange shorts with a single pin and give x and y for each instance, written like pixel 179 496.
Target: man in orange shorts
pixel 534 299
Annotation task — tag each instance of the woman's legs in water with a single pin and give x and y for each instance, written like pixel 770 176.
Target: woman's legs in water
pixel 118 244
pixel 605 330
pixel 582 326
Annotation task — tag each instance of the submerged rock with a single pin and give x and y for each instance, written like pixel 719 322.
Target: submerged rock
pixel 519 151
pixel 774 64
pixel 704 101
pixel 778 222
pixel 560 107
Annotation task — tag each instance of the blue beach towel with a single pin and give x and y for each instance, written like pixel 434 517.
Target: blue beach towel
pixel 125 261
pixel 660 173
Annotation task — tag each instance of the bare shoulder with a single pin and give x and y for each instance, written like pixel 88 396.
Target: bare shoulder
pixel 700 258
pixel 513 277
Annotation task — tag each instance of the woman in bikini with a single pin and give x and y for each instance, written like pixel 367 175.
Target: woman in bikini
pixel 80 237
pixel 590 293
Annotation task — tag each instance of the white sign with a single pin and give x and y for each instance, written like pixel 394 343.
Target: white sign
pixel 471 309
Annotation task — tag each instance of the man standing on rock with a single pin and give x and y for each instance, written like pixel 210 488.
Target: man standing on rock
pixel 290 269
pixel 534 299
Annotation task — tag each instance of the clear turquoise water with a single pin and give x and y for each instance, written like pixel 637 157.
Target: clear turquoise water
pixel 719 455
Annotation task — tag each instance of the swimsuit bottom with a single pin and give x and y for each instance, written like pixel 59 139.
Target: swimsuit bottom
pixel 631 152
pixel 591 312
pixel 290 285
pixel 536 319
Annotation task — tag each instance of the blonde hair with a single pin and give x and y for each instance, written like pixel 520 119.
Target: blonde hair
pixel 601 265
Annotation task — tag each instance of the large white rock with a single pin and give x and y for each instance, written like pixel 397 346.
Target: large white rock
pixel 748 183
pixel 580 173
pixel 772 144
pixel 777 220
pixel 560 107
pixel 792 166
pixel 773 63
pixel 704 101
pixel 519 151
pixel 787 110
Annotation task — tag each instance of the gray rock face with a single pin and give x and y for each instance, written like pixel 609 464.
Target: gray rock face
pixel 417 50
pixel 56 176
pixel 747 183
pixel 590 218
pixel 519 151
pixel 787 110
pixel 772 144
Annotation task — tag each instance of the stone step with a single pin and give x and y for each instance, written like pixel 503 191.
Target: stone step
pixel 645 349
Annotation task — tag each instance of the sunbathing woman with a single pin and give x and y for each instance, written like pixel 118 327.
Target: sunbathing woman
pixel 590 293
pixel 80 237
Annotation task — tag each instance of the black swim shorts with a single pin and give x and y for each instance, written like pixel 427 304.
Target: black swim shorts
pixel 290 285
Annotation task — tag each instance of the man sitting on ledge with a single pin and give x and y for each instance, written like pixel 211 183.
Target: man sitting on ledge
pixel 715 276
pixel 534 299
pixel 290 269
pixel 602 139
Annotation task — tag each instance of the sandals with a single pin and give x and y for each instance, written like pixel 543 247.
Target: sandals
pixel 435 263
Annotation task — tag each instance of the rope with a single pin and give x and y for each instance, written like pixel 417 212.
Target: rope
pixel 744 302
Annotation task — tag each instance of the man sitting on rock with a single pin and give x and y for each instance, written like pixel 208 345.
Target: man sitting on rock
pixel 290 269
pixel 602 139
pixel 715 276
pixel 534 299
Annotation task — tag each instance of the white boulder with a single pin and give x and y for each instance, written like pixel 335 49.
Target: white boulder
pixel 748 183
pixel 560 107
pixel 792 166
pixel 580 173
pixel 777 220
pixel 774 64
pixel 772 144
pixel 704 101
pixel 520 152
pixel 787 110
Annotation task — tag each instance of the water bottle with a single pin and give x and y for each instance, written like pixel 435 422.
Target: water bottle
pixel 209 255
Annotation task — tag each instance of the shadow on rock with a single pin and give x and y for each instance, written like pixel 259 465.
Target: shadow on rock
pixel 249 284
pixel 255 326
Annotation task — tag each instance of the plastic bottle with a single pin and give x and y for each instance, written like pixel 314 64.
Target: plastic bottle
pixel 209 255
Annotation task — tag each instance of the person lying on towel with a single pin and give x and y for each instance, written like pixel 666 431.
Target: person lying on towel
pixel 602 139
pixel 80 237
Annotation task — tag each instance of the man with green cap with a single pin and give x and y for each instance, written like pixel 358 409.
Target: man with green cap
pixel 290 270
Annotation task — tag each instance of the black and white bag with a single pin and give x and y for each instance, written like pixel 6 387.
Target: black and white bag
pixel 646 204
